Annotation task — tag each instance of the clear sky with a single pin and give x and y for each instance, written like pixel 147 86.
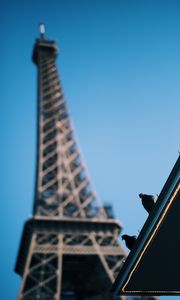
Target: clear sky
pixel 120 67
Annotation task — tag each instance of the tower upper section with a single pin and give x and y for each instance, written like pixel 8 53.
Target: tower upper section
pixel 43 47
pixel 62 186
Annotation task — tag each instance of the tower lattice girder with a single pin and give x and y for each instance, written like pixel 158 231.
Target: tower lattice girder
pixel 69 248
pixel 68 257
pixel 63 188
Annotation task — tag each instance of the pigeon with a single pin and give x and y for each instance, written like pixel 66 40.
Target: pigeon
pixel 148 201
pixel 129 240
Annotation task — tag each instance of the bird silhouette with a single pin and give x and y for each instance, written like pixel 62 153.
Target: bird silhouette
pixel 148 201
pixel 129 240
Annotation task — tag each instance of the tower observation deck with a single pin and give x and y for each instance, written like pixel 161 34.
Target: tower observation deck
pixel 69 248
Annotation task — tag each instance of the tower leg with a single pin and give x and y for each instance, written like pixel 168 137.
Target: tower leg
pixel 43 269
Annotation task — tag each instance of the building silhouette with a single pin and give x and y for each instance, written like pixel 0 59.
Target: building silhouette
pixel 69 248
pixel 146 267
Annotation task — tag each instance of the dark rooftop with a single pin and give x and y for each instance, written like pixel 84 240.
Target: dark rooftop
pixel 153 265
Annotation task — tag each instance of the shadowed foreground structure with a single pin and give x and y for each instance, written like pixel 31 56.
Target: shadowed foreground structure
pixel 152 267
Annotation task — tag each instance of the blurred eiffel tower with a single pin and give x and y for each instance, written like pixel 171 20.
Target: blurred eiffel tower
pixel 69 248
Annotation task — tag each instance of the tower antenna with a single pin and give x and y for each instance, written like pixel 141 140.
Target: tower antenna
pixel 42 30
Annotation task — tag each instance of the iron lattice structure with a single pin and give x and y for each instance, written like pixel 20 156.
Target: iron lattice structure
pixel 69 248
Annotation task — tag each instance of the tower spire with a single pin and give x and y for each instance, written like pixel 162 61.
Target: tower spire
pixel 42 30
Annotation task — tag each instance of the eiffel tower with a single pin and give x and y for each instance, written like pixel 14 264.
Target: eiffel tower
pixel 69 248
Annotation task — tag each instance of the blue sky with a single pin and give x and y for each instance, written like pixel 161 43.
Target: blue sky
pixel 120 67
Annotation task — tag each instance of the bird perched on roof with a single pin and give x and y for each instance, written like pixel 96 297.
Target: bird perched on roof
pixel 129 240
pixel 148 201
